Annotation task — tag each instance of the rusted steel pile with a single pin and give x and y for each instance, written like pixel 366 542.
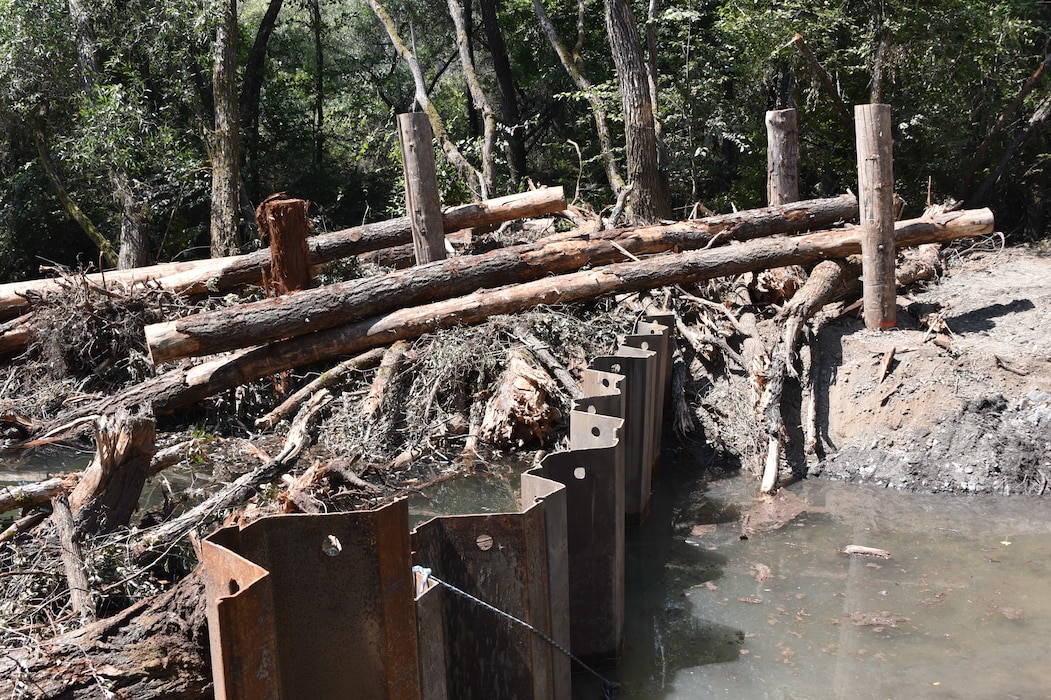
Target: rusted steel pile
pixel 327 606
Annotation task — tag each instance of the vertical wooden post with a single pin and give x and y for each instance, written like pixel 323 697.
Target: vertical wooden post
pixel 285 223
pixel 876 204
pixel 421 187
pixel 782 157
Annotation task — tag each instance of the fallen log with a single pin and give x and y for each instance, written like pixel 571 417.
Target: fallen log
pixel 30 495
pixel 337 304
pixel 156 649
pixel 224 274
pixel 13 294
pixel 72 559
pixel 390 366
pixel 817 291
pixel 237 492
pixel 184 386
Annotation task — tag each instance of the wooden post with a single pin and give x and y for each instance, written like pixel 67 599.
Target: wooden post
pixel 876 205
pixel 782 157
pixel 421 187
pixel 285 223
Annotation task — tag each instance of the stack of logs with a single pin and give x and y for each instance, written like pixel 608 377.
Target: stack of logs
pixel 304 326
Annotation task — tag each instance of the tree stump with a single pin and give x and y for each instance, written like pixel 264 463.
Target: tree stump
pixel 108 492
pixel 285 223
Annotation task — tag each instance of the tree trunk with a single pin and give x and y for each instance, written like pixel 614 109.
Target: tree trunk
pixel 225 150
pixel 876 201
pixel 345 302
pixel 467 171
pixel 474 85
pixel 72 208
pixel 509 114
pixel 782 156
pixel 134 241
pixel 251 88
pixel 108 491
pixel 997 127
pixel 284 223
pixel 319 84
pixel 575 68
pixel 648 200
pixel 184 386
pixel 421 187
pixel 133 250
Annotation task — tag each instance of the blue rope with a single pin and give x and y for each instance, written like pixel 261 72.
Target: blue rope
pixel 609 688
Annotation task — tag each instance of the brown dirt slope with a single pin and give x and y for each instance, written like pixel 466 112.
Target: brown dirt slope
pixel 969 413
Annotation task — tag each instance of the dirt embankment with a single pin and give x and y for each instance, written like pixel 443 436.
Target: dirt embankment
pixel 966 403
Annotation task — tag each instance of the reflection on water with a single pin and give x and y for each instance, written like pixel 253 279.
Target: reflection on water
pixel 960 610
pixel 30 466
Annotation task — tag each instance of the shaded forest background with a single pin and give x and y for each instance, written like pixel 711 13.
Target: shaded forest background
pixel 112 108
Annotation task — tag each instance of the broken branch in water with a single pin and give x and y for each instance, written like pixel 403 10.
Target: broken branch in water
pixel 860 550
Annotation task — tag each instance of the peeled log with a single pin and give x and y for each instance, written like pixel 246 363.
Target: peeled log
pixel 337 304
pixel 221 274
pixel 179 388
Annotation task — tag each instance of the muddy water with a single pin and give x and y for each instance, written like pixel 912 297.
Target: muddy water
pixel 961 609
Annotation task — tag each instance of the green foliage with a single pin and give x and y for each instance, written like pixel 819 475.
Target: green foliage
pixel 950 69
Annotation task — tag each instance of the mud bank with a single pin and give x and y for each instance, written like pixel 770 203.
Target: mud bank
pixel 965 403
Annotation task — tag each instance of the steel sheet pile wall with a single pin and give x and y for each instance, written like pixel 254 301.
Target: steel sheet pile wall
pixel 309 606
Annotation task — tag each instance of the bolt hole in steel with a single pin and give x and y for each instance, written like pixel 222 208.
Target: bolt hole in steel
pixel 595 431
pixel 605 382
pixel 234 587
pixel 580 472
pixel 332 546
pixel 484 542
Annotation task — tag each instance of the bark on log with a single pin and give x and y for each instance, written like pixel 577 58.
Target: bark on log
pixel 184 386
pixel 346 302
pixel 72 559
pixel 30 495
pixel 154 650
pixel 224 274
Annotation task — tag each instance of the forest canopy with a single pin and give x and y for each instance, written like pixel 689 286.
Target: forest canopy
pixel 118 117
